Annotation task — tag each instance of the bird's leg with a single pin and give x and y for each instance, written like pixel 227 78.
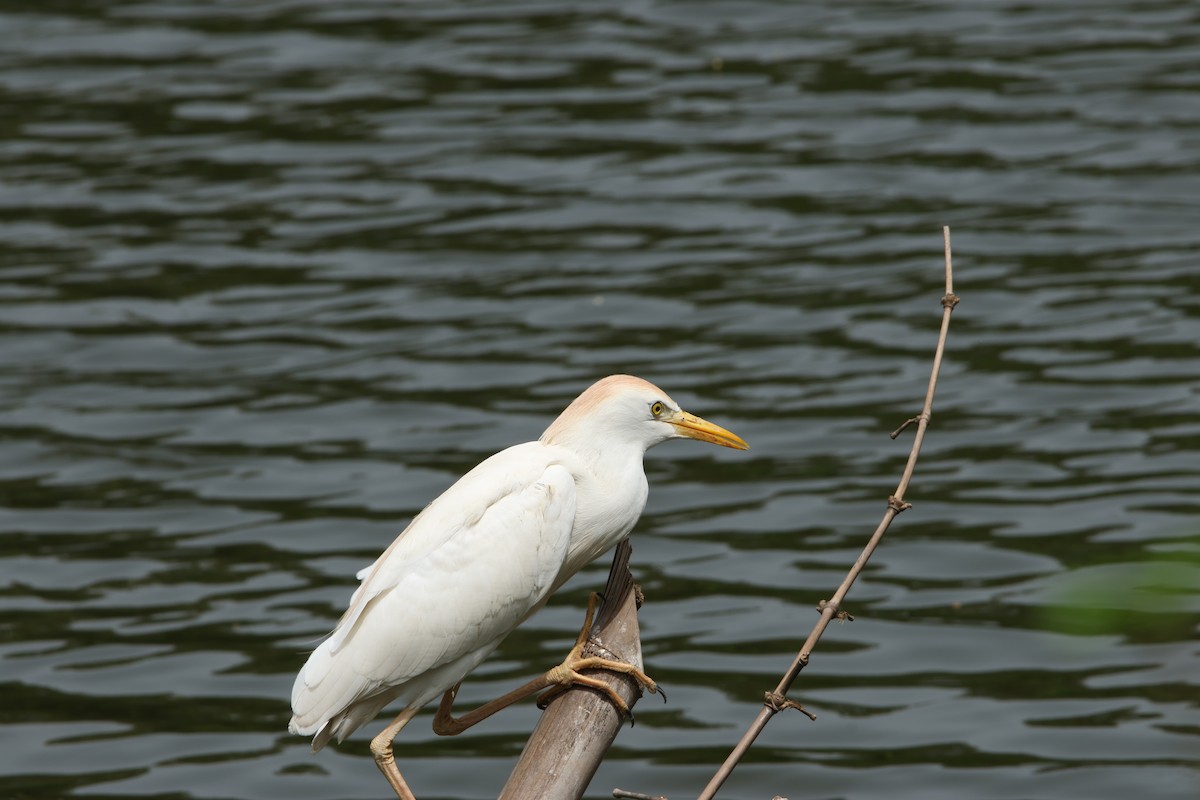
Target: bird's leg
pixel 445 724
pixel 381 748
pixel 561 678
pixel 586 630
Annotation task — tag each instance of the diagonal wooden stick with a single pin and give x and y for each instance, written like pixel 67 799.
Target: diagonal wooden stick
pixel 777 700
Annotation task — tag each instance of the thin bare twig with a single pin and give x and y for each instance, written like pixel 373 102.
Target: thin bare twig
pixel 777 700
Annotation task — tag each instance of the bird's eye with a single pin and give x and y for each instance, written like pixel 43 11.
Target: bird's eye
pixel 657 408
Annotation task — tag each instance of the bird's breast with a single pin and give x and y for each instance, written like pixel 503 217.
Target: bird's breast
pixel 607 508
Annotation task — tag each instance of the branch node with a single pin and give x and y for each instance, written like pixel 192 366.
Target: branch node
pixel 950 300
pixel 777 702
pixel 898 505
pixel 839 613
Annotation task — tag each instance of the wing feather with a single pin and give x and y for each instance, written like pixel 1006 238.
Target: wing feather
pixel 461 576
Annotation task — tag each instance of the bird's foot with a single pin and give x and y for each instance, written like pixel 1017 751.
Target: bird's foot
pixel 567 674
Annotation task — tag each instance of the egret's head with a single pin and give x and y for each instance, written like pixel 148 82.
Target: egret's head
pixel 622 409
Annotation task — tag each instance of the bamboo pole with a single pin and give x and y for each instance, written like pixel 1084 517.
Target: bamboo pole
pixel 570 740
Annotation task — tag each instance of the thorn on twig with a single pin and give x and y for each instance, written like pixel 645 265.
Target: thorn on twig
pixel 907 422
pixel 777 702
pixel 840 614
pixel 950 300
pixel 624 794
pixel 898 505
pixel 903 425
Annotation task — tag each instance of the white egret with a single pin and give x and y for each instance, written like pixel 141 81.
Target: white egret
pixel 482 558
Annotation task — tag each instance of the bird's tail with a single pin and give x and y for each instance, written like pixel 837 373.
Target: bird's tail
pixel 344 723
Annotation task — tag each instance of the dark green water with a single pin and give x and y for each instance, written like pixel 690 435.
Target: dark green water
pixel 273 275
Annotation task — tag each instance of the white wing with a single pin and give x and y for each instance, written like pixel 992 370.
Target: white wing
pixel 463 575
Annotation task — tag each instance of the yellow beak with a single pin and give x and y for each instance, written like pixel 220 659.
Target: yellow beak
pixel 697 428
